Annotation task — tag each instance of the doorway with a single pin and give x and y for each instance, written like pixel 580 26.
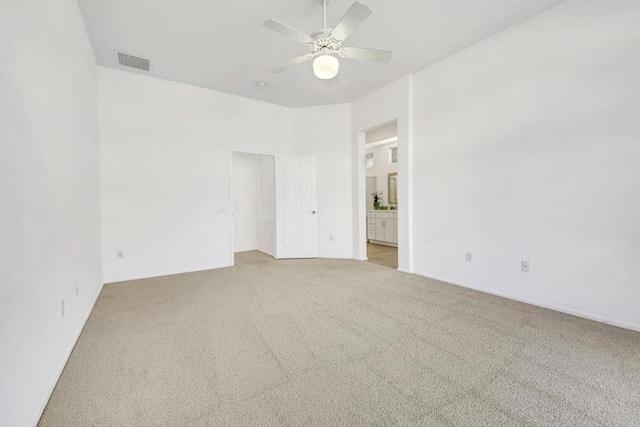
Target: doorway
pixel 381 171
pixel 273 205
pixel 253 203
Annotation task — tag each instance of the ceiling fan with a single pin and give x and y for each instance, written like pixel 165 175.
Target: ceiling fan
pixel 325 44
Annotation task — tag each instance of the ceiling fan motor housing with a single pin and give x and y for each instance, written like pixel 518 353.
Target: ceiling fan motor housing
pixel 323 42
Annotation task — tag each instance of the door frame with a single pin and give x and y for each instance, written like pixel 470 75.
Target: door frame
pixel 404 192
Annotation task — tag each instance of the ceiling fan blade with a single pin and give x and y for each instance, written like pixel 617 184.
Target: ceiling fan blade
pixel 350 21
pixel 287 31
pixel 364 54
pixel 295 61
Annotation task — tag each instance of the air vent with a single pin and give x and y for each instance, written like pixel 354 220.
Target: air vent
pixel 131 61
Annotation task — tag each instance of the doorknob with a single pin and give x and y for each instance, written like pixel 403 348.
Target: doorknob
pixel 313 212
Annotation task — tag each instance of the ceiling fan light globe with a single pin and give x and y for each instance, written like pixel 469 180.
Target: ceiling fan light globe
pixel 326 67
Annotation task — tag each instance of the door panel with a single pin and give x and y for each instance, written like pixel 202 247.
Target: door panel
pixel 296 207
pixel 306 192
pixel 287 192
pixel 288 232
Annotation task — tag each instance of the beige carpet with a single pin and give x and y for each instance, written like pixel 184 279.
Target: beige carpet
pixel 338 342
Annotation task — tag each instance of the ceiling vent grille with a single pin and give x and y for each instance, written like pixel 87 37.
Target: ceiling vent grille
pixel 131 61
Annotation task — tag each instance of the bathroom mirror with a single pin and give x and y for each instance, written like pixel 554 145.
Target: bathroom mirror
pixel 392 188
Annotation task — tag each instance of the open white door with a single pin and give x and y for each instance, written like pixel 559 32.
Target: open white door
pixel 296 207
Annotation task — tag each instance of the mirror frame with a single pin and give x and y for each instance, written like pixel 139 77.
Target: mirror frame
pixel 395 192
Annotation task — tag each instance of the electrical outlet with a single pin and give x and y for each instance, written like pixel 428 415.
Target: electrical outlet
pixel 468 257
pixel 222 211
pixel 62 307
pixel 119 254
pixel 525 266
pixel 331 238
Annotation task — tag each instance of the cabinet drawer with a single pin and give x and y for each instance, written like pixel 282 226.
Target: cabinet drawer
pixel 384 215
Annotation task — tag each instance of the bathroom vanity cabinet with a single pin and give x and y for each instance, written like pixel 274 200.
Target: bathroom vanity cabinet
pixel 382 227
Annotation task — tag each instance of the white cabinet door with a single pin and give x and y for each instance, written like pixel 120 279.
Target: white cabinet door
pixel 296 204
pixel 384 228
pixel 388 230
pixel 379 229
pixel 371 227
pixel 395 227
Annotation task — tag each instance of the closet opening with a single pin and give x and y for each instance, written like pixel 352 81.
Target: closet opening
pixel 253 212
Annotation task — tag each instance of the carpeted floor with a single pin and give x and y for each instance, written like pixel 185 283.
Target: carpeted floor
pixel 338 342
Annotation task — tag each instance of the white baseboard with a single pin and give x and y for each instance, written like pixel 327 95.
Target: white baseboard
pixel 554 307
pixel 165 274
pixel 53 384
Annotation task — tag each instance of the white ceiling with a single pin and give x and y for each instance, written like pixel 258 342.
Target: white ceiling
pixel 222 45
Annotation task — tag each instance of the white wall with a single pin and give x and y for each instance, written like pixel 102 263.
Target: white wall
pixel 527 147
pixel 382 133
pixel 49 198
pixel 382 168
pixel 165 154
pixel 245 202
pixel 325 132
pixel 266 205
